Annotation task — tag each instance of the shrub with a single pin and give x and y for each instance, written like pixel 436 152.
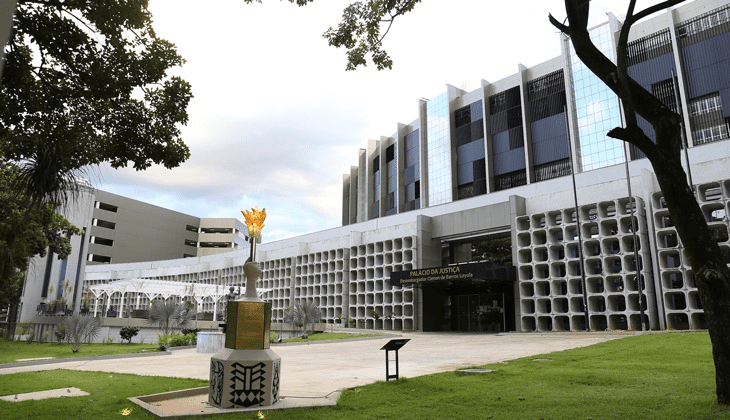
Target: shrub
pixel 176 340
pixel 128 332
pixel 24 329
pixel 60 332
pixel 187 331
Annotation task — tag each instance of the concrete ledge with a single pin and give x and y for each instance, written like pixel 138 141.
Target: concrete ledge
pixel 194 402
pixel 42 395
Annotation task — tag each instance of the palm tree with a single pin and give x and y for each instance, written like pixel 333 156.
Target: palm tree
pixel 80 328
pixel 302 315
pixel 168 315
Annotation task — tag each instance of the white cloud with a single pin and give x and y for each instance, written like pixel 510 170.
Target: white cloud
pixel 276 120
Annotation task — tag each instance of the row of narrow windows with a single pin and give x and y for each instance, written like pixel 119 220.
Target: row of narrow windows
pixel 196 244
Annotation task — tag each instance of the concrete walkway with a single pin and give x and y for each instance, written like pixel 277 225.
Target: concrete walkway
pixel 320 369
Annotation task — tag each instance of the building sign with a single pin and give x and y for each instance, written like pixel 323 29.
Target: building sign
pixel 460 272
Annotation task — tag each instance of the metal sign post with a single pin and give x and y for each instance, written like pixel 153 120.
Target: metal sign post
pixel 393 345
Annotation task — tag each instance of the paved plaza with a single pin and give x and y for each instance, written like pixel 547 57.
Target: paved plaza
pixel 321 368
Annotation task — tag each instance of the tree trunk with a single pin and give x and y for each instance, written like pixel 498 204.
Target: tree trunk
pixel 711 273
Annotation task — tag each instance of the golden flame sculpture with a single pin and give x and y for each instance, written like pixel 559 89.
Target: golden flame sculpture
pixel 254 221
pixel 255 224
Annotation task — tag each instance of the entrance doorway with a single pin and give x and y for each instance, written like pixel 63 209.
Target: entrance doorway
pixel 478 313
pixel 473 306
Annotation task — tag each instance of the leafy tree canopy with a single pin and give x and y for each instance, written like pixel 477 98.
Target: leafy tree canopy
pixel 86 83
pixel 26 229
pixel 362 29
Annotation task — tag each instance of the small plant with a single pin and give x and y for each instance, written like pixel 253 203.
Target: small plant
pixel 128 332
pixel 109 340
pixel 24 329
pixel 351 322
pixel 273 336
pixel 49 294
pixel 186 331
pixel 81 328
pixel 60 333
pixel 24 332
pixel 3 333
pixel 375 314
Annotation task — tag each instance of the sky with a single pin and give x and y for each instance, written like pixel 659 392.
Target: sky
pixel 276 120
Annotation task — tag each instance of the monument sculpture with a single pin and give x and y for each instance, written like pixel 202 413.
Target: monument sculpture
pixel 245 373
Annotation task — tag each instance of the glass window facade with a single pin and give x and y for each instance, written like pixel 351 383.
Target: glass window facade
pixel 375 211
pixel 391 173
pixel 703 41
pixel 597 108
pixel 412 172
pixel 438 140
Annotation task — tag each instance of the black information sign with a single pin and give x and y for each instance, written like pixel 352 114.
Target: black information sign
pixel 460 272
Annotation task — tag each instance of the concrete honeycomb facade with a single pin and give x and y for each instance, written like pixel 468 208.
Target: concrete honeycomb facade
pixel 680 298
pixel 347 277
pixel 552 287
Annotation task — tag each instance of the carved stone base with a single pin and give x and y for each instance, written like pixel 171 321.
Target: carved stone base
pixel 244 378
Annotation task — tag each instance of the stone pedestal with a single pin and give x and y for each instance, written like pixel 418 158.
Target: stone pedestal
pixel 246 372
pixel 210 342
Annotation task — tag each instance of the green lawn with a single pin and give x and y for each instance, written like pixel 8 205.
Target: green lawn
pixel 653 376
pixel 109 393
pixel 11 351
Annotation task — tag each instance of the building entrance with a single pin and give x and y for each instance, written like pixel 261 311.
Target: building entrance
pixel 478 312
pixel 472 297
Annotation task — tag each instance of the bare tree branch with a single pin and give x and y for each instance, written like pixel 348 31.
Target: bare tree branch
pixel 653 9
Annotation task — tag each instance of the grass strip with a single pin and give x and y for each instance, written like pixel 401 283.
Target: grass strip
pixel 11 351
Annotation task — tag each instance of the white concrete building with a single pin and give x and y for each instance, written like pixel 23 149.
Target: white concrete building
pixel 496 163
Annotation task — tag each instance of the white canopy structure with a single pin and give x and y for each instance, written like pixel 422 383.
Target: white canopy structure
pixel 158 288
